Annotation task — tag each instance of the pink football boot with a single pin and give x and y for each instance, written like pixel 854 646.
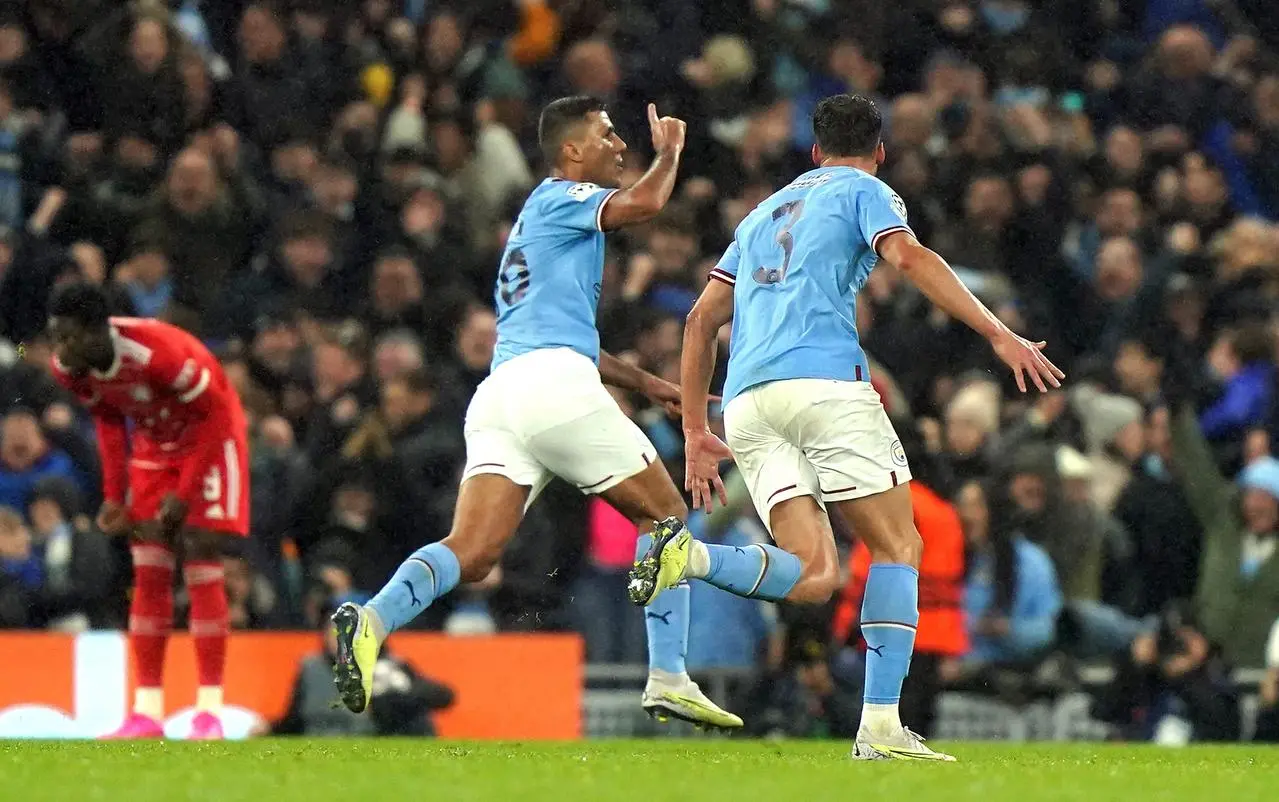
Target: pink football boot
pixel 205 727
pixel 136 726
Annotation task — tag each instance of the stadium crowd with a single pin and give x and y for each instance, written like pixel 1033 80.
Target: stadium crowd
pixel 320 189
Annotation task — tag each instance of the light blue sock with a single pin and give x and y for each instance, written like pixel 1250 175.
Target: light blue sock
pixel 666 622
pixel 890 613
pixel 757 571
pixel 425 576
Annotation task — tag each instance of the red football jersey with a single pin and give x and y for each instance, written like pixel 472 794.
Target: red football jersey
pixel 163 380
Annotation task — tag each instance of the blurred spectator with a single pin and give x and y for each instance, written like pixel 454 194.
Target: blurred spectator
pixel 612 634
pixel 1243 361
pixel 396 353
pixel 1268 714
pixel 1166 537
pixel 396 294
pixel 78 564
pixel 1115 440
pixel 1235 597
pixel 209 219
pixel 27 457
pixel 146 277
pixel 21 573
pixel 474 339
pixel 278 84
pixel 972 418
pixel 1174 687
pixel 1065 528
pixel 405 699
pixel 1011 597
pixel 250 597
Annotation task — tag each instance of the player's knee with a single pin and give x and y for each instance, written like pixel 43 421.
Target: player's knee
pixel 201 546
pixel 817 583
pixel 147 532
pixel 904 547
pixel 475 557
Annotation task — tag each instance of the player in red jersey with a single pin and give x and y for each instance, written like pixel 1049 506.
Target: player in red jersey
pixel 178 482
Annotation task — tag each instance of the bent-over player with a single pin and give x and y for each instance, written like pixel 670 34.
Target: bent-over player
pixel 177 481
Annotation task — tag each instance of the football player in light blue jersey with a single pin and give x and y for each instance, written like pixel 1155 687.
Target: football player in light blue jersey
pixel 803 423
pixel 543 411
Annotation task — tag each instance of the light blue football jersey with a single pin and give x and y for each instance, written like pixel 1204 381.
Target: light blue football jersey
pixel 796 264
pixel 548 285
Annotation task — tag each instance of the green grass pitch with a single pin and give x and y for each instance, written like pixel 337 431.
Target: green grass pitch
pixel 621 771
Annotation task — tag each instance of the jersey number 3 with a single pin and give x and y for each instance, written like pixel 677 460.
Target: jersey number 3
pixel 790 210
pixel 513 281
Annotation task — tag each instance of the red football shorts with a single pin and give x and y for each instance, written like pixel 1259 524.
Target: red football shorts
pixel 219 503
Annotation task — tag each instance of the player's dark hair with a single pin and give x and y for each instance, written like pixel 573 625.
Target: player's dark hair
pixel 82 302
pixel 558 119
pixel 847 125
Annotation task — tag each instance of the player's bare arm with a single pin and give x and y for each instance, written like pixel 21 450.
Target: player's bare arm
pixel 623 375
pixel 703 451
pixel 938 282
pixel 646 198
pixel 113 517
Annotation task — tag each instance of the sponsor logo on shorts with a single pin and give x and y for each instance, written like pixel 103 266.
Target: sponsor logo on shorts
pixel 899 453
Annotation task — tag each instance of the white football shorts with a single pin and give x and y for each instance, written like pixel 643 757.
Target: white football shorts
pixel 546 413
pixel 831 440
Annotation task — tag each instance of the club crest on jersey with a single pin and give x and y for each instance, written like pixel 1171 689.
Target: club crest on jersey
pixel 899 453
pixel 183 382
pixel 899 206
pixel 580 192
pixel 141 393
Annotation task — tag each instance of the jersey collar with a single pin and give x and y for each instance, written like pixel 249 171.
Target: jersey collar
pixel 116 361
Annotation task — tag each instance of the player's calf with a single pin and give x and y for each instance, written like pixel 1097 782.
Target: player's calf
pixel 802 567
pixel 489 508
pixel 477 553
pixel 210 622
pixel 150 620
pixel 800 527
pixel 890 605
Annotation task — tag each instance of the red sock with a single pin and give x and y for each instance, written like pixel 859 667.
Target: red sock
pixel 209 618
pixel 150 612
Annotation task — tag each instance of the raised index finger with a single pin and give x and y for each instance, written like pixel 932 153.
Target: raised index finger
pixel 652 115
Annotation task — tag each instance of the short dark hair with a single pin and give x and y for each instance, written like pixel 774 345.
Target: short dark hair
pixel 305 224
pixel 464 122
pixel 558 118
pixel 1252 342
pixel 418 381
pixel 847 125
pixel 82 302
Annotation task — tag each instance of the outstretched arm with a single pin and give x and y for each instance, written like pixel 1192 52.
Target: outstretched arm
pixel 934 278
